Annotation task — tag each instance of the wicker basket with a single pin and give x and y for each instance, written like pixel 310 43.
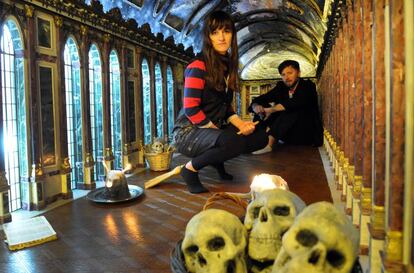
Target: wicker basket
pixel 159 161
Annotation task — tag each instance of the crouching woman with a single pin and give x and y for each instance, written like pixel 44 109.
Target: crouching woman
pixel 207 129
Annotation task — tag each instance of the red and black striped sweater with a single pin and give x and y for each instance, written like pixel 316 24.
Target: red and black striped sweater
pixel 203 103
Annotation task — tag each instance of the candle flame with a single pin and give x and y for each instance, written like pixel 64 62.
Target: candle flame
pixel 266 181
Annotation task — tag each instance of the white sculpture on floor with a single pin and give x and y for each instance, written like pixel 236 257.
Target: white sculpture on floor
pixel 116 185
pixel 321 240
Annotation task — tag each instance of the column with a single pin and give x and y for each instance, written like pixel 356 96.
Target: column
pixel 377 221
pixel 88 160
pixel 408 256
pixel 65 168
pixel 359 112
pixel 138 109
pixel 392 256
pixel 126 145
pixel 108 153
pixel 347 129
pixel 34 199
pixel 164 96
pixel 365 205
pixel 347 191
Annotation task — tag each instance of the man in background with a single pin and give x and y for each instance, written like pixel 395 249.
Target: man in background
pixel 290 110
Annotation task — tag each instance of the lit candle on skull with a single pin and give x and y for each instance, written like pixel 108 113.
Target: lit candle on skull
pixel 265 182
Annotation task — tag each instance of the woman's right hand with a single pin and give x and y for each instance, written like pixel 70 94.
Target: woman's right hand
pixel 213 126
pixel 246 128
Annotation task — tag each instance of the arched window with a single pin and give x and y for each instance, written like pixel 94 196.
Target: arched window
pixel 73 110
pixel 146 101
pixel 158 100
pixel 115 97
pixel 14 110
pixel 95 100
pixel 170 101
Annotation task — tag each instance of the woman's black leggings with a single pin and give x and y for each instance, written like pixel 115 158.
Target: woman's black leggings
pixel 229 145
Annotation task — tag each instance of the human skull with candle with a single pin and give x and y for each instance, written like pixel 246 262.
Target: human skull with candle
pixel 268 217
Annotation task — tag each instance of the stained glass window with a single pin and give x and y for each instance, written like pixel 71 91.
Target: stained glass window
pixel 73 110
pixel 170 101
pixel 96 111
pixel 159 100
pixel 14 112
pixel 115 97
pixel 146 101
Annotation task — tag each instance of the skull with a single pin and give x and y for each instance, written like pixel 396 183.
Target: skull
pixel 116 186
pixel 268 217
pixel 321 240
pixel 157 147
pixel 215 241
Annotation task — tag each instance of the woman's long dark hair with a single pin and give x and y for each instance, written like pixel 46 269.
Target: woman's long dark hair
pixel 215 67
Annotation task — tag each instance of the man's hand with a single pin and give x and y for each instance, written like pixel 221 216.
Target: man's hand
pixel 268 111
pixel 278 107
pixel 257 108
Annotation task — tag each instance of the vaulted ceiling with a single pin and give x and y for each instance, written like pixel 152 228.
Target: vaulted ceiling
pixel 268 31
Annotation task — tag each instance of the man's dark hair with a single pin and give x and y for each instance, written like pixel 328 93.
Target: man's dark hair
pixel 287 63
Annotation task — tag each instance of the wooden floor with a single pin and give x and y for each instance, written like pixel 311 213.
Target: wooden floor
pixel 138 236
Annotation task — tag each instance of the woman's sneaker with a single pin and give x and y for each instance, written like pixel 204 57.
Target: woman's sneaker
pixel 265 150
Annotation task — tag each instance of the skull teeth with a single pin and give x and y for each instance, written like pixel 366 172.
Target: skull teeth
pixel 265 240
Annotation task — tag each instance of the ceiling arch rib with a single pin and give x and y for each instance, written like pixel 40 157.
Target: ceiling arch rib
pixel 275 32
pixel 293 29
pixel 195 19
pixel 256 53
pixel 273 45
pixel 161 9
pixel 283 27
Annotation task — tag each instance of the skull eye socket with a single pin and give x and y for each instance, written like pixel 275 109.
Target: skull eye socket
pixel 307 238
pixel 215 244
pixel 256 212
pixel 335 258
pixel 281 210
pixel 192 249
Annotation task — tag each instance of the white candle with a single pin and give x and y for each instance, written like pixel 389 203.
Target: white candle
pixel 266 181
